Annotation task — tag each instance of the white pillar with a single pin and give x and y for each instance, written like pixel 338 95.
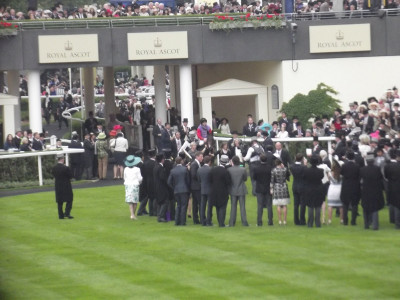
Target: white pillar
pixel 88 81
pixel 13 89
pixel 9 106
pixel 186 91
pixel 140 71
pixel 172 93
pixel 337 5
pixel 206 110
pixel 35 105
pixel 159 90
pixel 262 106
pixel 148 71
pixel 133 71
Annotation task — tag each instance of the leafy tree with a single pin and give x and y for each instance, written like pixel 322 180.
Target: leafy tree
pixel 315 104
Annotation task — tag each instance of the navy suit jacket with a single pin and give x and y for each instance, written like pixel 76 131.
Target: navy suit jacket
pixel 194 182
pixel 203 175
pixel 179 179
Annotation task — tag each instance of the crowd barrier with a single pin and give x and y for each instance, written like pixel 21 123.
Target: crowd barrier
pixel 39 154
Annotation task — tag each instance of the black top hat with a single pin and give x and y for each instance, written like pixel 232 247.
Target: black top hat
pixel 185 120
pixel 315 138
pixel 160 157
pixel 152 152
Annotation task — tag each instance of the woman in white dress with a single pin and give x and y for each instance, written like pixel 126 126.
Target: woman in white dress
pixel 283 133
pixel 335 188
pixel 325 181
pixel 133 178
pixel 224 126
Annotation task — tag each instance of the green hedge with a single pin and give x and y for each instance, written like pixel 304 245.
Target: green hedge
pixel 26 168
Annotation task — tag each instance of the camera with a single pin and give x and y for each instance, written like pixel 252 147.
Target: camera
pixel 293 26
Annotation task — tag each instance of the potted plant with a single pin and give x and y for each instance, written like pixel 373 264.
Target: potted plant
pixel 8 29
pixel 265 21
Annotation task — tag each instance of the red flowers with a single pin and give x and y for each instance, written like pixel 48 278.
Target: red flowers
pixel 4 25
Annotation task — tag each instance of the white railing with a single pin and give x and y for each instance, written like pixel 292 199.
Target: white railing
pixel 328 139
pixel 39 154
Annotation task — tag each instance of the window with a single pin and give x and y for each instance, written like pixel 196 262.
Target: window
pixel 275 97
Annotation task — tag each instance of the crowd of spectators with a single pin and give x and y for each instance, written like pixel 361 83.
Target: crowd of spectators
pixel 59 11
pixel 367 134
pixel 324 6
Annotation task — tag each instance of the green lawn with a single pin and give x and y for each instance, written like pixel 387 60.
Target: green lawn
pixel 102 254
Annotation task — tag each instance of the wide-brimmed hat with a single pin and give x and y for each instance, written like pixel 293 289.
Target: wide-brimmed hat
pixel 224 159
pixel 101 136
pixel 375 104
pixel 383 111
pixel 132 160
pixel 113 133
pixel 118 127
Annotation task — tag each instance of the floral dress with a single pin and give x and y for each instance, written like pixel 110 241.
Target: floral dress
pixel 133 178
pixel 278 183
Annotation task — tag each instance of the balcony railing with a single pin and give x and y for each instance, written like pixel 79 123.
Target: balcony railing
pixel 127 22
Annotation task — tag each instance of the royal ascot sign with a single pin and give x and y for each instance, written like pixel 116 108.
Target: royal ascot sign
pixel 157 45
pixel 68 48
pixel 340 38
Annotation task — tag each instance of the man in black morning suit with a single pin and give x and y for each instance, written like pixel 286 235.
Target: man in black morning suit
pixel 148 167
pixel 161 187
pixel 297 170
pixel 219 190
pixel 179 180
pixel 157 133
pixel 350 193
pixel 392 174
pixel 250 128
pixel 316 146
pixel 262 176
pixel 282 154
pixel 168 165
pixel 63 188
pixel 195 186
pixel 204 179
pixel 176 144
pixel 142 187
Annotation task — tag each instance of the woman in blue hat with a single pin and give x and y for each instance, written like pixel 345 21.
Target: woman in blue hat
pixel 132 180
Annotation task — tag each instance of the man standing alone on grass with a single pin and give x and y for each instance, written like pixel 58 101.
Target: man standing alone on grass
pixel 63 187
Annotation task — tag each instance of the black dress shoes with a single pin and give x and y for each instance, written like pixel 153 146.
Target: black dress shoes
pixel 69 217
pixel 162 220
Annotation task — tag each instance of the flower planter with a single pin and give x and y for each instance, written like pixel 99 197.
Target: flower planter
pixel 255 24
pixel 8 33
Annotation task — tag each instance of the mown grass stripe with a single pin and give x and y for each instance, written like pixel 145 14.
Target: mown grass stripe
pixel 161 261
